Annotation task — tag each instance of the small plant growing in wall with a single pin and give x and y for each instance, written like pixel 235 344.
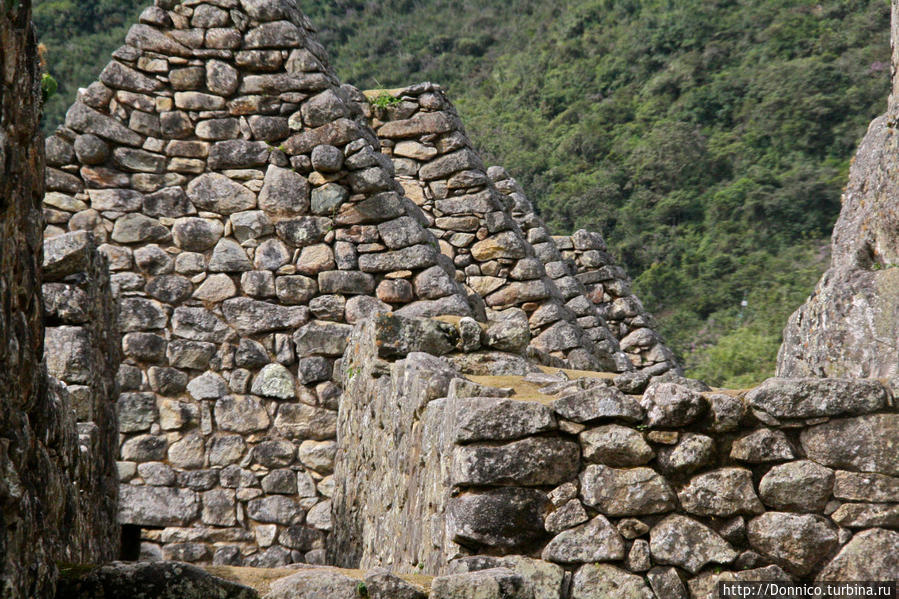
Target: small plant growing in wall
pixel 385 100
pixel 362 590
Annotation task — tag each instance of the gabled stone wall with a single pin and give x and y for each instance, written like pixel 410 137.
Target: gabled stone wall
pixel 248 219
pixel 586 274
pixel 440 170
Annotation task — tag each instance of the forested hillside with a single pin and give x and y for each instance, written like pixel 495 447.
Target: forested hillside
pixel 707 139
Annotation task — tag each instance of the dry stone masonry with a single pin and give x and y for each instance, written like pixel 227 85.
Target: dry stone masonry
pixel 57 485
pixel 247 218
pixel 440 170
pixel 291 323
pixel 586 273
pixel 589 484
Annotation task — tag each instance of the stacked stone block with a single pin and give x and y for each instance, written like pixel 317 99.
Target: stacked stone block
pixel 247 218
pixel 609 287
pixel 441 172
pixel 571 274
pixel 82 350
pixel 667 487
pixel 48 476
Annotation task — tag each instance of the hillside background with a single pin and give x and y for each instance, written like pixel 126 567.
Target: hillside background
pixel 708 140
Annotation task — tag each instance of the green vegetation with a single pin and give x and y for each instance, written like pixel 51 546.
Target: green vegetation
pixel 707 139
pixel 385 100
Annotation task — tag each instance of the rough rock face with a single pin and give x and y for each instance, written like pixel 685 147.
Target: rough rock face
pixel 56 496
pixel 849 327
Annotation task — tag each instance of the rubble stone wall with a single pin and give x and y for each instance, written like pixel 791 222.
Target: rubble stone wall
pixel 55 496
pixel 614 478
pixel 248 219
pixel 443 174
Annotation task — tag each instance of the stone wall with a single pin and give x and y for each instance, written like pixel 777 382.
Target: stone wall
pixel 54 491
pixel 82 350
pixel 613 479
pixel 248 220
pixel 584 272
pixel 442 173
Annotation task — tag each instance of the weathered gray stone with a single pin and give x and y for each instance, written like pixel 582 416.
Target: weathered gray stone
pixel 190 354
pixel 199 324
pixel 856 486
pixel 241 414
pixel 217 193
pixel 157 506
pixel 328 198
pixel 762 445
pixel 166 381
pixel 160 579
pixel 615 445
pixel 136 411
pixel 274 381
pixel 139 314
pixel 285 193
pixel 301 421
pixel 314 584
pixel 684 542
pixel 801 486
pixel 87 120
pixel 496 583
pixel 596 403
pixel 488 418
pixel 303 231
pixel 594 581
pixel 595 541
pixel 798 543
pixel 196 234
pixel 322 338
pixel 208 385
pixel 666 583
pixel 626 492
pixel 813 398
pixel 505 518
pixel 381 584
pixel 722 492
pixel 253 316
pixel 412 257
pixel 566 516
pixel 671 405
pixel 137 228
pixel 276 509
pixel 865 515
pixel 691 453
pixel 865 443
pixel 531 461
pixel 228 256
pixel 870 555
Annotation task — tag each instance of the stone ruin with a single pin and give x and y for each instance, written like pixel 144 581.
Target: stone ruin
pixel 329 334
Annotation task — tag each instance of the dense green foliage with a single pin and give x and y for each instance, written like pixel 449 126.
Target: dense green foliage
pixel 707 139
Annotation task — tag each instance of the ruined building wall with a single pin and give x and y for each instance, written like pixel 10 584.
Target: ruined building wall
pixel 587 485
pixel 55 497
pixel 585 273
pixel 248 219
pixel 441 171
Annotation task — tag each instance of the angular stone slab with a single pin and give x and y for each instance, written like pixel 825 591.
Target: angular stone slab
pixel 533 461
pixel 491 418
pixel 865 443
pixel 813 398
